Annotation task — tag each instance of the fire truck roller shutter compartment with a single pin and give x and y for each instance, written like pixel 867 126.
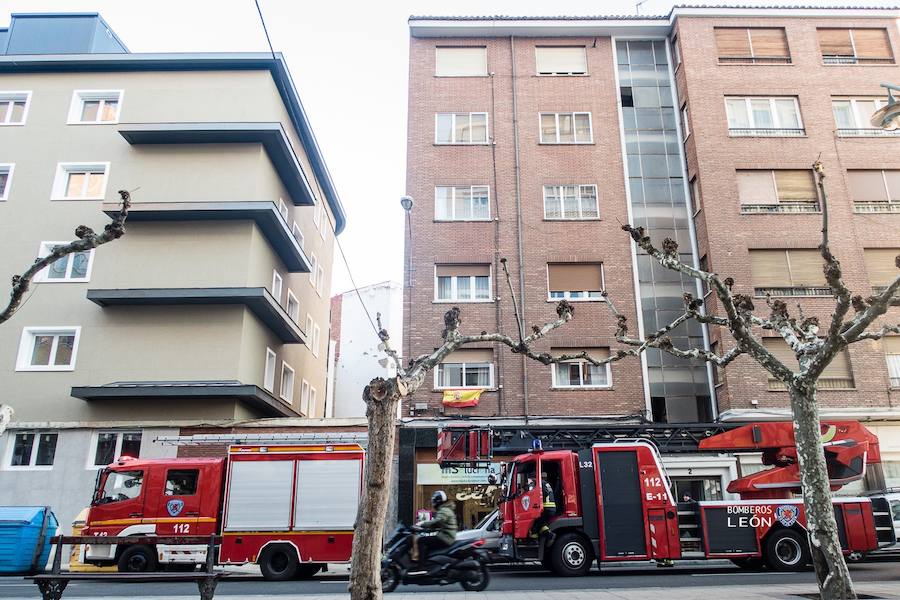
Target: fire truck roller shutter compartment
pixel 259 495
pixel 623 522
pixel 327 494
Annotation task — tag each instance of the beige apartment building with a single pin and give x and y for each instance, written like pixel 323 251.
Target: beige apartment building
pixel 212 310
pixel 533 138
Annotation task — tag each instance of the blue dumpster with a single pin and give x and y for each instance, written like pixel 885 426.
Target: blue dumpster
pixel 25 533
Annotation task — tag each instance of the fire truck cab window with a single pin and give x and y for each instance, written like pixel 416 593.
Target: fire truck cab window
pixel 182 482
pixel 121 485
pixel 525 477
pixel 551 468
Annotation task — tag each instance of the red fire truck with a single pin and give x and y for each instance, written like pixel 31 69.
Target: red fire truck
pixel 614 502
pixel 288 508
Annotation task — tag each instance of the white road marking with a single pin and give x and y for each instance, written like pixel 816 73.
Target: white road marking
pixel 726 574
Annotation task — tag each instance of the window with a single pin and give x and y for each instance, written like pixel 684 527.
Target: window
pixel 892 353
pixel 575 281
pixel 763 117
pixel 309 324
pixel 778 191
pixel 464 283
pixel 95 106
pixel 461 128
pixel 6 173
pixel 269 374
pixel 317 214
pixel 80 181
pixel 120 486
pixel 293 306
pixel 304 398
pixel 852 117
pixel 283 209
pixel 298 235
pixel 314 265
pixel 881 267
pixel 696 199
pixel 312 401
pixel 566 128
pixel 320 279
pixel 571 202
pixel 561 60
pixel 875 191
pixel 14 107
pixel 579 373
pixel 182 482
pixel 838 375
pixel 32 450
pixel 788 273
pixel 460 61
pixel 277 285
pixel 316 340
pixel 286 391
pixel 685 122
pixel 71 267
pixel 462 203
pixel 48 349
pixel 855 46
pixel 466 369
pixel 752 45
pixel 109 446
pixel 323 224
pixel 676 52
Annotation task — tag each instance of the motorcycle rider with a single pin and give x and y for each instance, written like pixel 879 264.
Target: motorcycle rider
pixel 443 525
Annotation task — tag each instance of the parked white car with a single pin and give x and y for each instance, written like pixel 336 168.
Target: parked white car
pixel 487 529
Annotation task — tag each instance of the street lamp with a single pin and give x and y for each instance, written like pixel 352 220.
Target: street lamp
pixel 407 203
pixel 888 116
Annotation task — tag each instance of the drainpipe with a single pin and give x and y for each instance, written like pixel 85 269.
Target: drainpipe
pixel 498 309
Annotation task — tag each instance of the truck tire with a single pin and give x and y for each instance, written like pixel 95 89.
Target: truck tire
pixel 137 558
pixel 571 555
pixel 307 570
pixel 279 563
pixel 787 550
pixel 749 563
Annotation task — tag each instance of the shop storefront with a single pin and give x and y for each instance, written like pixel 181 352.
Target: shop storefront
pixel 467 486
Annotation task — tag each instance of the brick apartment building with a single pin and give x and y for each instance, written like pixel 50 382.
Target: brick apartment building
pixel 532 139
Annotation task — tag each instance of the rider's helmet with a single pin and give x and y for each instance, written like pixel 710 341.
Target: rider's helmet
pixel 438 498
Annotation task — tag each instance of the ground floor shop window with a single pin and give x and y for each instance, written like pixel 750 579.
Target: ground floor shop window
pixel 473 502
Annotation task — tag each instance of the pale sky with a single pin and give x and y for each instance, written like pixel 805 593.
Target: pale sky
pixel 349 63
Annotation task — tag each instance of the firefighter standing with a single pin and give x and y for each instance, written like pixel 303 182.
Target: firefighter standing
pixel 541 525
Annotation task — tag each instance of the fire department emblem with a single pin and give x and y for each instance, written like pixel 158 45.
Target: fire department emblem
pixel 526 502
pixel 786 514
pixel 174 507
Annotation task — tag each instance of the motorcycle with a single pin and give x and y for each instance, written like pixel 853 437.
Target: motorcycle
pixel 462 562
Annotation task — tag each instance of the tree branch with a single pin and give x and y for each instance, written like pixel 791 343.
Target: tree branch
pixel 87 240
pixel 512 295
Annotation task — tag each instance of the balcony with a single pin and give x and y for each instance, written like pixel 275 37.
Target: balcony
pixel 868 208
pixel 855 60
pixel 754 60
pixel 781 208
pixel 824 383
pixel 866 132
pixel 249 394
pixel 258 300
pixel 765 132
pixel 793 291
pixel 265 214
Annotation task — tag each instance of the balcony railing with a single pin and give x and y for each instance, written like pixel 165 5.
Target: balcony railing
pixel 824 383
pixel 895 382
pixel 765 132
pixel 755 60
pixel 866 132
pixel 792 291
pixel 855 60
pixel 876 207
pixel 781 207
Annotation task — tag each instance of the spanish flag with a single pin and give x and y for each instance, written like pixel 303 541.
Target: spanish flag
pixel 461 398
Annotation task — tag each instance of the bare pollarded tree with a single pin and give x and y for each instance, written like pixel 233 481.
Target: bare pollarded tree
pixel 813 345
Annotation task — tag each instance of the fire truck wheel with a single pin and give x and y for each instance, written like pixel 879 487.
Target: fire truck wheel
pixel 279 563
pixel 571 555
pixel 137 558
pixel 787 550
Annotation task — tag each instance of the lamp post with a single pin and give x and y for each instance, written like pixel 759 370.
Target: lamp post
pixel 888 116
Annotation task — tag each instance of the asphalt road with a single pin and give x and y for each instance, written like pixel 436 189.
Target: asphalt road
pixel 503 579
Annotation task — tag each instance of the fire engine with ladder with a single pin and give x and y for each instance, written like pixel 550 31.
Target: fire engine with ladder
pixel 615 502
pixel 285 502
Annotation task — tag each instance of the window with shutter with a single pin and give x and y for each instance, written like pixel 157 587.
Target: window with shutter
pixel 788 273
pixel 580 373
pixel 838 375
pixel 780 191
pixel 460 62
pixel 764 45
pixel 892 354
pixel 874 191
pixel 881 267
pixel 468 368
pixel 462 283
pixel 850 46
pixel 560 60
pixel 575 281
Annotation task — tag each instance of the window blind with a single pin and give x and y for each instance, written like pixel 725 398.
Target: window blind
pixel 463 270
pixel 835 42
pixel 552 60
pixel 872 43
pixel 769 43
pixel 866 186
pixel 460 62
pixel 795 185
pixel 732 42
pixel 470 355
pixel 891 344
pixel 839 368
pixel 880 265
pixel 786 268
pixel 756 187
pixel 575 277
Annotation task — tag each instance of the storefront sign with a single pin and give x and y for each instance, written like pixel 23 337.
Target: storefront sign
pixel 433 474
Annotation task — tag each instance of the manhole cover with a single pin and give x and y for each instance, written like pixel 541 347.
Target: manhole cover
pixel 818 597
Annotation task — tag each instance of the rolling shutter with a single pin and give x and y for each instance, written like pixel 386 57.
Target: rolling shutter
pixel 756 187
pixel 782 352
pixel 460 62
pixel 470 355
pixel 880 265
pixel 795 186
pixel 575 277
pixel 866 186
pixel 835 42
pixel 560 60
pixel 806 268
pixel 891 344
pixel 732 42
pixel 463 270
pixel 893 184
pixel 839 368
pixel 769 43
pixel 872 43
pixel 769 268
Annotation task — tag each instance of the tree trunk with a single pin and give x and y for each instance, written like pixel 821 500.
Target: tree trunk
pixel 831 568
pixel 381 398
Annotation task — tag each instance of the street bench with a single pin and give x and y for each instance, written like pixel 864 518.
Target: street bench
pixel 53 584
